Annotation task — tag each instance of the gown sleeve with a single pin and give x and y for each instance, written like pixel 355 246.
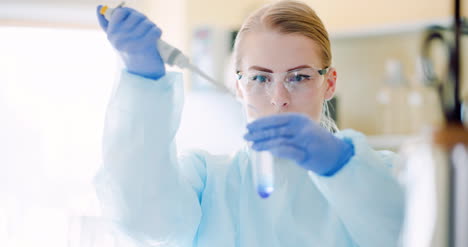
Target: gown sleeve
pixel 140 185
pixel 365 194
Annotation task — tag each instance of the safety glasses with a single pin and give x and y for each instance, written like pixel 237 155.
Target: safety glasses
pixel 258 82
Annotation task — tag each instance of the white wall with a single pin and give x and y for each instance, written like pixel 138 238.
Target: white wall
pixel 54 88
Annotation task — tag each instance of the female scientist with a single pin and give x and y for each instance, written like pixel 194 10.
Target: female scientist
pixel 331 189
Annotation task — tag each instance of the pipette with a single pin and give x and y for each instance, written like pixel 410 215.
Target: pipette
pixel 171 55
pixel 262 162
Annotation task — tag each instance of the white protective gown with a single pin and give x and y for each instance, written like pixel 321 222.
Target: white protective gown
pixel 201 200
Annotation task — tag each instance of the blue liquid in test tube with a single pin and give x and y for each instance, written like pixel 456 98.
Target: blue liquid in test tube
pixel 262 164
pixel 263 173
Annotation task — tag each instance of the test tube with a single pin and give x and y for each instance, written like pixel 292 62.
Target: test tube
pixel 263 174
pixel 262 164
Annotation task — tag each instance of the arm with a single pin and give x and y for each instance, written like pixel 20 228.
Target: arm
pixel 365 194
pixel 355 179
pixel 139 184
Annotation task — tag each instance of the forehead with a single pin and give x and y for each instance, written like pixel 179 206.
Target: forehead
pixel 278 52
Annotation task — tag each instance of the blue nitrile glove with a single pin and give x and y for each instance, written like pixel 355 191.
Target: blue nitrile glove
pixel 135 37
pixel 294 136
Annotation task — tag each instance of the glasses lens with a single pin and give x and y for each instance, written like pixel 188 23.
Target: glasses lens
pixel 301 79
pixel 257 81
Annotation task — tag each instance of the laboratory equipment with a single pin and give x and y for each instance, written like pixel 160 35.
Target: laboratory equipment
pixel 263 173
pixel 297 137
pixel 435 167
pixel 423 102
pixel 295 81
pixel 262 162
pixel 171 55
pixel 211 52
pixel 393 113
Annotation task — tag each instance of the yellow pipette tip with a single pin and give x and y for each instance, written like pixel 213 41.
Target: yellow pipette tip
pixel 103 10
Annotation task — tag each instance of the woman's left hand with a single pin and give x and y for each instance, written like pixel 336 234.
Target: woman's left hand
pixel 295 136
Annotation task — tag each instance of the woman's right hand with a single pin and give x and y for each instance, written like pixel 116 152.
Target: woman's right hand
pixel 135 38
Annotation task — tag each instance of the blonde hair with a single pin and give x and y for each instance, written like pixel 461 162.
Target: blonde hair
pixel 290 17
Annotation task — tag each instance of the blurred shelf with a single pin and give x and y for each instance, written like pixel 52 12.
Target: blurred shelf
pixel 387 142
pixel 389 29
pixel 67 14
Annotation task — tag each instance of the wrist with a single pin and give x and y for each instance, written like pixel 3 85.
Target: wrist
pixel 332 159
pixel 345 153
pixel 148 67
pixel 148 75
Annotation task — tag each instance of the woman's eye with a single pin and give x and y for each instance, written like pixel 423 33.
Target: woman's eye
pixel 299 78
pixel 259 78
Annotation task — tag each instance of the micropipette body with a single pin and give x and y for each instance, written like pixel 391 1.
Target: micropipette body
pixel 171 55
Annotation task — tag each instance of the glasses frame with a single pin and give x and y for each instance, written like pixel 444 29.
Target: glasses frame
pixel 323 71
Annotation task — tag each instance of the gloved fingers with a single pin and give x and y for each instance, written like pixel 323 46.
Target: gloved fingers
pixel 155 30
pixel 138 33
pixel 292 119
pixel 273 121
pixel 127 44
pixel 151 37
pixel 288 152
pixel 263 134
pixel 282 148
pixel 132 21
pixel 144 39
pixel 101 19
pixel 117 19
pixel 147 30
pixel 268 144
pixel 131 40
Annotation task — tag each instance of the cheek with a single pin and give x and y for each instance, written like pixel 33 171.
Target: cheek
pixel 309 103
pixel 258 106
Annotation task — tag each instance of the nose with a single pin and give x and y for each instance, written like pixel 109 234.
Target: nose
pixel 280 96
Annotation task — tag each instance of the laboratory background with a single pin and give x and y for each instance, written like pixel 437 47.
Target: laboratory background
pixel 57 71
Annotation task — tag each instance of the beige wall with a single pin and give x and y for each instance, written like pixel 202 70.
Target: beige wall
pixel 179 17
pixel 226 14
pixel 360 63
pixel 338 15
pixel 171 17
pixel 360 59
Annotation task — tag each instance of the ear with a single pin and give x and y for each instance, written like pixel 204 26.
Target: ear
pixel 330 79
pixel 239 94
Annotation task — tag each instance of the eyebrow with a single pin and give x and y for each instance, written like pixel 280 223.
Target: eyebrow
pixel 270 71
